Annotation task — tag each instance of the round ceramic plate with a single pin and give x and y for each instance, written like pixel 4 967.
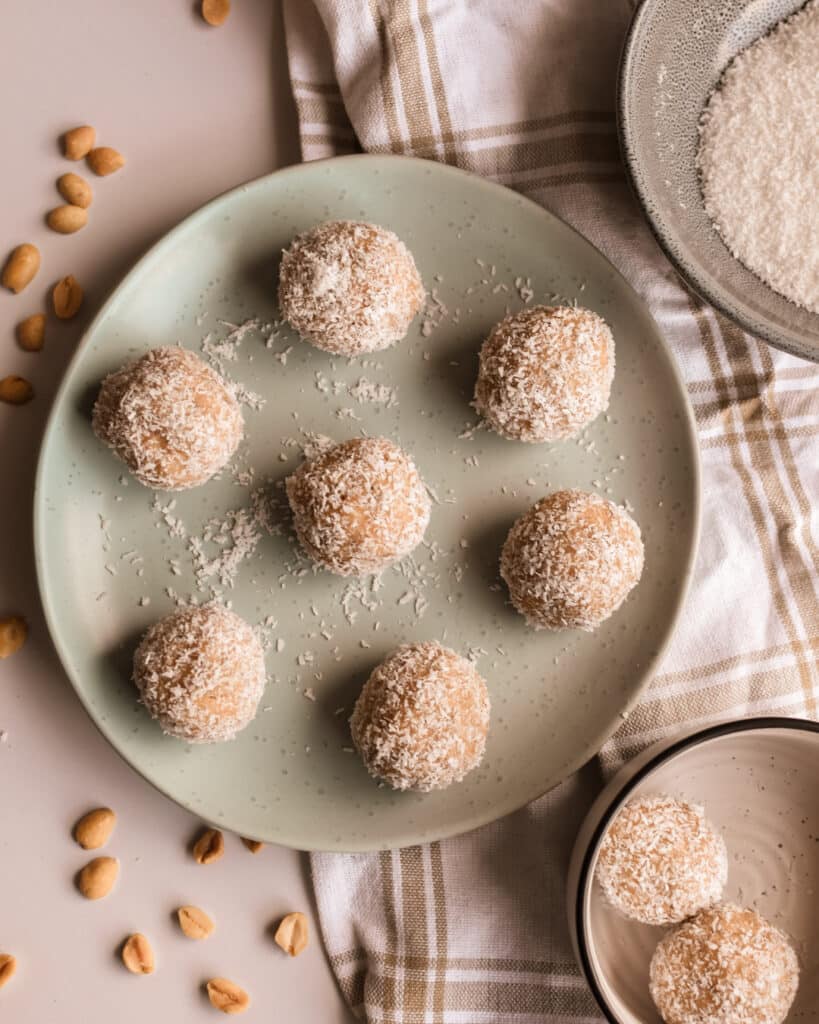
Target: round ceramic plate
pixel 674 56
pixel 756 780
pixel 113 557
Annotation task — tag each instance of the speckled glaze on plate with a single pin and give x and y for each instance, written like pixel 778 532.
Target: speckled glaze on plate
pixel 756 779
pixel 290 777
pixel 674 55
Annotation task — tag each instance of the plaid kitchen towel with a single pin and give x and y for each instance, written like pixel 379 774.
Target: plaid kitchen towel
pixel 472 929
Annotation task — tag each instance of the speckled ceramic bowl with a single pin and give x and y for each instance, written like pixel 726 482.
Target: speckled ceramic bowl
pixel 674 55
pixel 756 779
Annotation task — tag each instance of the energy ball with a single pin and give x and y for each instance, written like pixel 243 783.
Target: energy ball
pixel 170 418
pixel 422 718
pixel 661 861
pixel 359 506
pixel 200 673
pixel 727 965
pixel 571 560
pixel 349 287
pixel 545 373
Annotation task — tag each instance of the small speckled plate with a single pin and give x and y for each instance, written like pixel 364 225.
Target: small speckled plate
pixel 110 561
pixel 756 779
pixel 675 54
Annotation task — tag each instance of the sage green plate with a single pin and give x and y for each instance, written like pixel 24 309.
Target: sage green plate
pixel 291 777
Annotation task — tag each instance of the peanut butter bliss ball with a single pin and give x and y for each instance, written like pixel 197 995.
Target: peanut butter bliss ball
pixel 349 287
pixel 661 861
pixel 727 965
pixel 359 506
pixel 200 673
pixel 171 419
pixel 545 373
pixel 571 560
pixel 422 718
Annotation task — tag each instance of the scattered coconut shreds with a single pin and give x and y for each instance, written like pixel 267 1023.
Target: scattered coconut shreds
pixel 434 313
pixel 176 528
pixel 245 396
pixel 378 394
pixel 227 348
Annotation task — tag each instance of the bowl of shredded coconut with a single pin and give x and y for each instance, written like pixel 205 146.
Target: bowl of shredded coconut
pixel 718 111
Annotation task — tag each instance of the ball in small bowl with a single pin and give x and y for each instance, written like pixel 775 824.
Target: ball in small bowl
pixel 200 673
pixel 545 373
pixel 359 507
pixel 661 860
pixel 171 419
pixel 422 717
pixel 349 287
pixel 571 560
pixel 727 965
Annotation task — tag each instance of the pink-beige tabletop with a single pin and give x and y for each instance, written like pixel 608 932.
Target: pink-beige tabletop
pixel 195 110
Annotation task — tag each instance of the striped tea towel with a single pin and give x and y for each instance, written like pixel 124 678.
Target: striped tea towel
pixel 472 930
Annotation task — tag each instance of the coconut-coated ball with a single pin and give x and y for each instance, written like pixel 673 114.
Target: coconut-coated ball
pixel 200 673
pixel 349 287
pixel 422 718
pixel 571 560
pixel 171 419
pixel 661 861
pixel 545 373
pixel 359 507
pixel 727 965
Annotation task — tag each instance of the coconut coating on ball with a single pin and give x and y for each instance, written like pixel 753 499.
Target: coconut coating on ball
pixel 571 560
pixel 170 418
pixel 661 861
pixel 200 673
pixel 727 965
pixel 359 506
pixel 545 373
pixel 349 287
pixel 422 718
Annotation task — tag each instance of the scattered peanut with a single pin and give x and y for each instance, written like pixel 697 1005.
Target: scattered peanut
pixel 209 846
pixel 94 829
pixel 226 996
pixel 13 633
pixel 215 12
pixel 31 332
pixel 97 877
pixel 194 922
pixel 79 142
pixel 137 954
pixel 252 844
pixel 291 935
pixel 104 160
pixel 75 190
pixel 65 220
pixel 8 965
pixel 21 267
pixel 15 390
pixel 66 297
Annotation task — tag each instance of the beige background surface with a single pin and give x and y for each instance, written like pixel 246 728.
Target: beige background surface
pixel 196 111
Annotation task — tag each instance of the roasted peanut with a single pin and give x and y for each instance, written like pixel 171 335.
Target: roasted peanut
pixel 137 954
pixel 252 844
pixel 291 935
pixel 210 846
pixel 13 634
pixel 226 996
pixel 215 12
pixel 8 965
pixel 104 160
pixel 30 332
pixel 15 390
pixel 94 829
pixel 67 296
pixel 194 922
pixel 21 267
pixel 75 190
pixel 65 220
pixel 79 142
pixel 97 877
